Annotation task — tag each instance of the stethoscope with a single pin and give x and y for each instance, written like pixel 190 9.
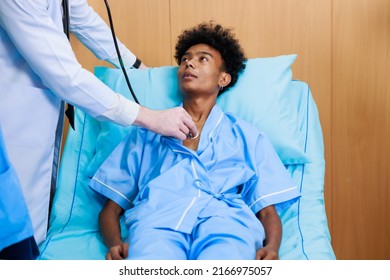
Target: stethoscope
pixel 118 52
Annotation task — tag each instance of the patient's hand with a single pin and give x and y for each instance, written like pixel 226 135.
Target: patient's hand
pixel 267 253
pixel 118 252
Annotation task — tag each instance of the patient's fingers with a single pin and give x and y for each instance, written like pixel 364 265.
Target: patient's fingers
pixel 266 254
pixel 260 254
pixel 117 252
pixel 125 250
pixel 108 256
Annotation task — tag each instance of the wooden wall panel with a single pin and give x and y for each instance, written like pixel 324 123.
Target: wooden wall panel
pixel 143 26
pixel 361 129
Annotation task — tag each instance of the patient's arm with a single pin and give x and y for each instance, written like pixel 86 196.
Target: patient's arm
pixel 273 233
pixel 110 228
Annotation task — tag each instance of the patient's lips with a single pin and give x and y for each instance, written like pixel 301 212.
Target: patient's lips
pixel 189 75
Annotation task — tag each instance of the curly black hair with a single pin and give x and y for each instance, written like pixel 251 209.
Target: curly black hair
pixel 220 38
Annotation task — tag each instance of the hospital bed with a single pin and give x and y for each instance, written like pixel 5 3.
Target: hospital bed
pixel 265 95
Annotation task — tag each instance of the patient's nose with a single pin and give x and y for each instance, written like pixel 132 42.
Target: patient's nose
pixel 189 63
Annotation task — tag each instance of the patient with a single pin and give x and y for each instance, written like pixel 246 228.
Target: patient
pixel 210 196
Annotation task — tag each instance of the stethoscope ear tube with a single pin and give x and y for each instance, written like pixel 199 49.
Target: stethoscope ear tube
pixel 118 52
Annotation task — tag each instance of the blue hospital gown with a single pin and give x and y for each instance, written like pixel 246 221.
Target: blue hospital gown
pixel 161 184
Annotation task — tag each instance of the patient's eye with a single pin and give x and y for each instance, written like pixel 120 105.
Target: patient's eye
pixel 184 59
pixel 203 58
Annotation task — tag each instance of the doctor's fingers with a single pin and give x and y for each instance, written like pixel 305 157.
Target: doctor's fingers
pixel 190 125
pixel 176 122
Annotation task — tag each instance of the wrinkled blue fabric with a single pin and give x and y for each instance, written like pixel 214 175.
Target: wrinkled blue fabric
pixel 161 184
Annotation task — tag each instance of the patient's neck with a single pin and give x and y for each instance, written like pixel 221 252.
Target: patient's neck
pixel 199 109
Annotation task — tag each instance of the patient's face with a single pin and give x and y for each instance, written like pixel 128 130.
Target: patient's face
pixel 200 72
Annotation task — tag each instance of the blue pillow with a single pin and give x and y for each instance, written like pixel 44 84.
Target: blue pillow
pixel 261 96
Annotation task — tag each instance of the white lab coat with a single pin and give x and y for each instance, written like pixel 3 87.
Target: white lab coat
pixel 38 69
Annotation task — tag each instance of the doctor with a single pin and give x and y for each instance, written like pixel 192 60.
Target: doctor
pixel 38 71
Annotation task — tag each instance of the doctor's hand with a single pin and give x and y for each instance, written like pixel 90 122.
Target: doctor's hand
pixel 118 252
pixel 175 122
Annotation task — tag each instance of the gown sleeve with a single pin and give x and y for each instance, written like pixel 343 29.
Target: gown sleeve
pixel 272 183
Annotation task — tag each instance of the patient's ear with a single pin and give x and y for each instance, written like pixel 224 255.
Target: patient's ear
pixel 225 79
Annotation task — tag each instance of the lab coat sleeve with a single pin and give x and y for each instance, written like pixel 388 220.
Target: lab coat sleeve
pixel 94 33
pixel 272 184
pixel 46 49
